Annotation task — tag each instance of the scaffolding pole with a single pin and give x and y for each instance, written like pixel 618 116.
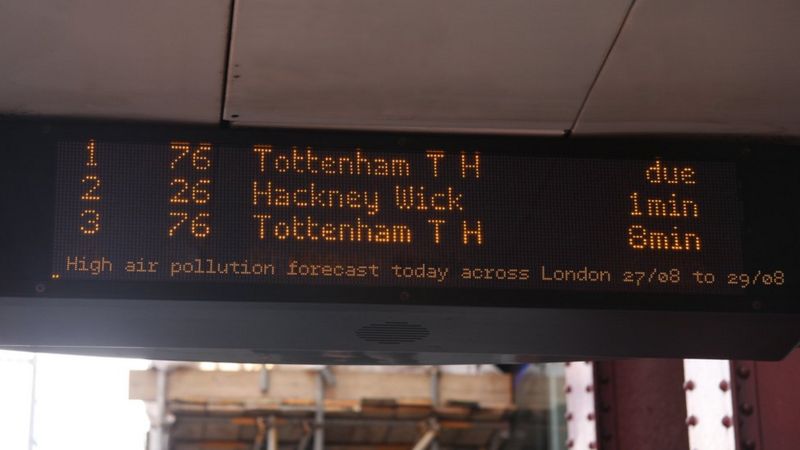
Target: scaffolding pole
pixel 436 378
pixel 325 378
pixel 428 439
pixel 159 436
pixel 272 433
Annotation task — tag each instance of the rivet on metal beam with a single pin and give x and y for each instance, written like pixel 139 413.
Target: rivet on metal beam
pixel 727 422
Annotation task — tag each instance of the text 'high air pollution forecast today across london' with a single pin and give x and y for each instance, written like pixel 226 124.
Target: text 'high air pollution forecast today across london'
pixel 456 217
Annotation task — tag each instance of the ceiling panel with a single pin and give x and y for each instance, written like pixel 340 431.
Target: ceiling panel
pixel 144 59
pixel 512 66
pixel 711 66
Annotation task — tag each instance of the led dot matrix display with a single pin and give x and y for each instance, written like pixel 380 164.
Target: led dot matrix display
pixel 266 213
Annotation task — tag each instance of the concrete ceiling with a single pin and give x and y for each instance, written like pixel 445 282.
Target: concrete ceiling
pixel 517 66
pixel 143 59
pixel 711 66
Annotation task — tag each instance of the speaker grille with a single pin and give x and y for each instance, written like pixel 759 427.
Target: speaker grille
pixel 392 332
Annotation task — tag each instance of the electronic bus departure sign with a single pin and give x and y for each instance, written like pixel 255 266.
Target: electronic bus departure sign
pixel 179 242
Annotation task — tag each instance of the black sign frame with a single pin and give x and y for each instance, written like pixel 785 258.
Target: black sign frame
pixel 769 183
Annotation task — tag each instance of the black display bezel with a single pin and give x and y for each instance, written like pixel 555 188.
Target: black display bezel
pixel 768 182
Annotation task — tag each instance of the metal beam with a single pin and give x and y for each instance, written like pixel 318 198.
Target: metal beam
pixel 766 403
pixel 709 406
pixel 641 404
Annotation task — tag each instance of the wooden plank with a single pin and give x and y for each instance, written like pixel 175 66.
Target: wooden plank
pixel 488 389
pixel 298 387
pixel 413 411
pixel 191 384
pixel 355 384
